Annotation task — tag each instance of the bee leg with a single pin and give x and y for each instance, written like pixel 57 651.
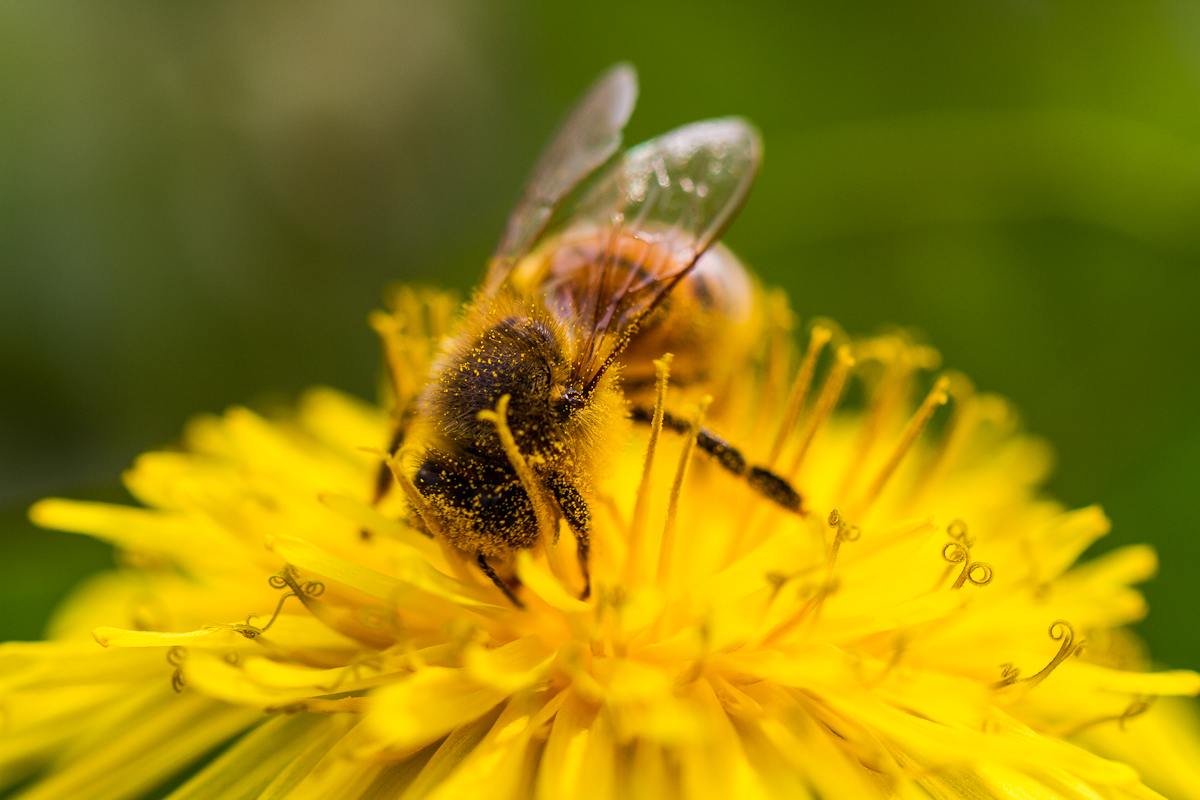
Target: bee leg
pixel 383 475
pixel 579 519
pixel 383 478
pixel 501 585
pixel 762 480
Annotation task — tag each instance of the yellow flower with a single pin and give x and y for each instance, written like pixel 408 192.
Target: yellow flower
pixel 919 632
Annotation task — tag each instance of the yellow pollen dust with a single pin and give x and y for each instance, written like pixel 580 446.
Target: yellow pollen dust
pixel 730 647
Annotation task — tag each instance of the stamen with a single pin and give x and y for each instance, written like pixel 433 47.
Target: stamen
pixel 894 659
pixel 845 533
pixel 543 508
pixel 887 394
pixel 641 506
pixel 175 657
pixel 963 418
pixel 353 672
pixel 812 606
pixel 977 572
pixel 442 308
pixel 609 503
pixel 415 323
pixel 937 397
pixel 831 392
pixel 284 579
pixel 780 322
pixel 666 558
pixel 1139 706
pixel 1060 631
pixel 817 340
pixel 959 552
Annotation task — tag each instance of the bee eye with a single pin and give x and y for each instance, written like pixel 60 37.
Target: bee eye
pixel 571 401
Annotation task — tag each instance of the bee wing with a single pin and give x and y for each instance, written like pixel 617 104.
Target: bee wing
pixel 587 137
pixel 672 196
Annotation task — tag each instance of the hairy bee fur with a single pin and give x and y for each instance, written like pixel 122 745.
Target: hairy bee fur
pixel 511 346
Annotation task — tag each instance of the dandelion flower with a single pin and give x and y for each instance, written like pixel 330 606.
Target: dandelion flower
pixel 919 632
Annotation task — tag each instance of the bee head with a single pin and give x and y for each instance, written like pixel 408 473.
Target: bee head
pixel 568 402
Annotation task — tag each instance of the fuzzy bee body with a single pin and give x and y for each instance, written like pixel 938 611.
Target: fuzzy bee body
pixel 602 264
pixel 527 354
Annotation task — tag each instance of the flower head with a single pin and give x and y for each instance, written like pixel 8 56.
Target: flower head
pixel 921 629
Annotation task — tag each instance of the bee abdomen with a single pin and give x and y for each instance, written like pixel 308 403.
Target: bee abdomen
pixel 482 504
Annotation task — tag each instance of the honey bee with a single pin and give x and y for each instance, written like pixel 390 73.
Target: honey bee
pixel 607 260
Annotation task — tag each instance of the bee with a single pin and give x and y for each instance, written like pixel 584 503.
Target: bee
pixel 709 322
pixel 607 259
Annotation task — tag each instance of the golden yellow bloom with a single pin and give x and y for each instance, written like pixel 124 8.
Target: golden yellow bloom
pixel 920 632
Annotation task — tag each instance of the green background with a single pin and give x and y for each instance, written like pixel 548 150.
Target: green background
pixel 200 202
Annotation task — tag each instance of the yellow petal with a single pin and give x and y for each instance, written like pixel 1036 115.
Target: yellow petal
pixel 210 637
pixel 1162 744
pixel 344 423
pixel 1092 676
pixel 509 668
pixel 548 587
pixel 430 704
pixel 370 519
pixel 500 766
pixel 577 762
pixel 144 749
pixel 244 770
pixel 419 576
pixel 137 529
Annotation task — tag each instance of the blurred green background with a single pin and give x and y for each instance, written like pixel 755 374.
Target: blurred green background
pixel 200 202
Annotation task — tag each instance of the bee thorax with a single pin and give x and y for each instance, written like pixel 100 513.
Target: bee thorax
pixel 520 356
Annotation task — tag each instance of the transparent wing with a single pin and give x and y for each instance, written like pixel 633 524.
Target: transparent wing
pixel 657 209
pixel 587 137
